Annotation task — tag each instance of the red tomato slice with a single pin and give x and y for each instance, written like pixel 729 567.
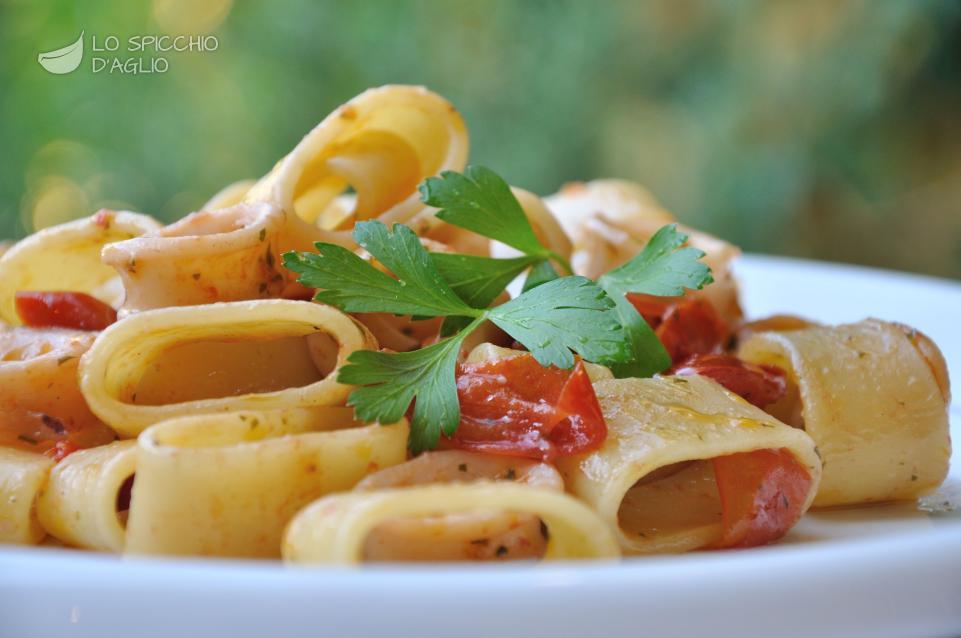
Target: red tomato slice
pixel 64 310
pixel 685 325
pixel 762 493
pixel 758 384
pixel 517 407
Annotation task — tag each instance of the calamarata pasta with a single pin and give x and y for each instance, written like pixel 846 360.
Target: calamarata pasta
pixel 377 352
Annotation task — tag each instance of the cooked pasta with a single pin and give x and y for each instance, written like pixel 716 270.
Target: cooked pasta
pixel 67 257
pixel 180 361
pixel 22 476
pixel 226 484
pixel 335 528
pixel 871 401
pixel 230 254
pixel 79 505
pixel 653 479
pixel 377 353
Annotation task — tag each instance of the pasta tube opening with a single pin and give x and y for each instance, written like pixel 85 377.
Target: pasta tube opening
pixel 686 462
pixel 736 500
pixel 335 528
pixel 382 143
pixel 464 536
pixel 255 351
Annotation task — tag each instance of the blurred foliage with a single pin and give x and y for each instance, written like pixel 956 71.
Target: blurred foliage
pixel 820 128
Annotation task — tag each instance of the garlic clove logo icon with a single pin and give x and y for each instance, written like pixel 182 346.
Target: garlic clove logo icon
pixel 63 60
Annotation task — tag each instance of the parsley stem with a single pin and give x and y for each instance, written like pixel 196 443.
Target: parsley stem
pixel 566 265
pixel 473 325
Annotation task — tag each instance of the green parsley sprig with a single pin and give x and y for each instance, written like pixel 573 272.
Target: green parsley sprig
pixel 564 316
pixel 553 318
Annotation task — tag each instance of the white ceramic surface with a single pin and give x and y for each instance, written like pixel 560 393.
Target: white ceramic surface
pixel 892 570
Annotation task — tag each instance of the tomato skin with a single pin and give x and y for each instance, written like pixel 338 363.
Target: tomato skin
pixel 61 449
pixel 760 385
pixel 685 325
pixel 762 495
pixel 516 407
pixel 58 309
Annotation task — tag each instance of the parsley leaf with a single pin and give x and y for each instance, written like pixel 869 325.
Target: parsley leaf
pixel 392 380
pixel 539 274
pixel 662 268
pixel 479 280
pixel 354 285
pixel 571 313
pixel 481 201
pixel 476 280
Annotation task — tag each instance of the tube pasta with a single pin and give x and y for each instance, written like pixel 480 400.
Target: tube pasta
pixel 612 220
pixel 383 142
pixel 22 476
pixel 116 365
pixel 226 484
pixel 79 504
pixel 470 536
pixel 229 195
pixel 39 393
pixel 334 528
pixel 650 480
pixel 872 403
pixel 224 255
pixel 67 257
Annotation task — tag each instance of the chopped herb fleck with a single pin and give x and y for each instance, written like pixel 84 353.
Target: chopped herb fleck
pixel 53 423
pixel 462 467
pixel 511 474
pixel 501 551
pixel 63 360
pixel 27 439
pixel 263 234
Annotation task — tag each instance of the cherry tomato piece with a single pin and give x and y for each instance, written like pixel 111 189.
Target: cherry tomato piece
pixel 63 310
pixel 517 407
pixel 762 495
pixel 760 385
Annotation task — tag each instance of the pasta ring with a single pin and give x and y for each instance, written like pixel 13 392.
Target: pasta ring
pixel 113 367
pixel 383 142
pixel 333 529
pixel 67 257
pixel 227 484
pixel 231 254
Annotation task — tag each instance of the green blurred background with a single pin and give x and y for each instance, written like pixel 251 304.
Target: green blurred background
pixel 822 128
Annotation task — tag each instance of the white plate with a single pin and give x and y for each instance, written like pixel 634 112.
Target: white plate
pixel 890 570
